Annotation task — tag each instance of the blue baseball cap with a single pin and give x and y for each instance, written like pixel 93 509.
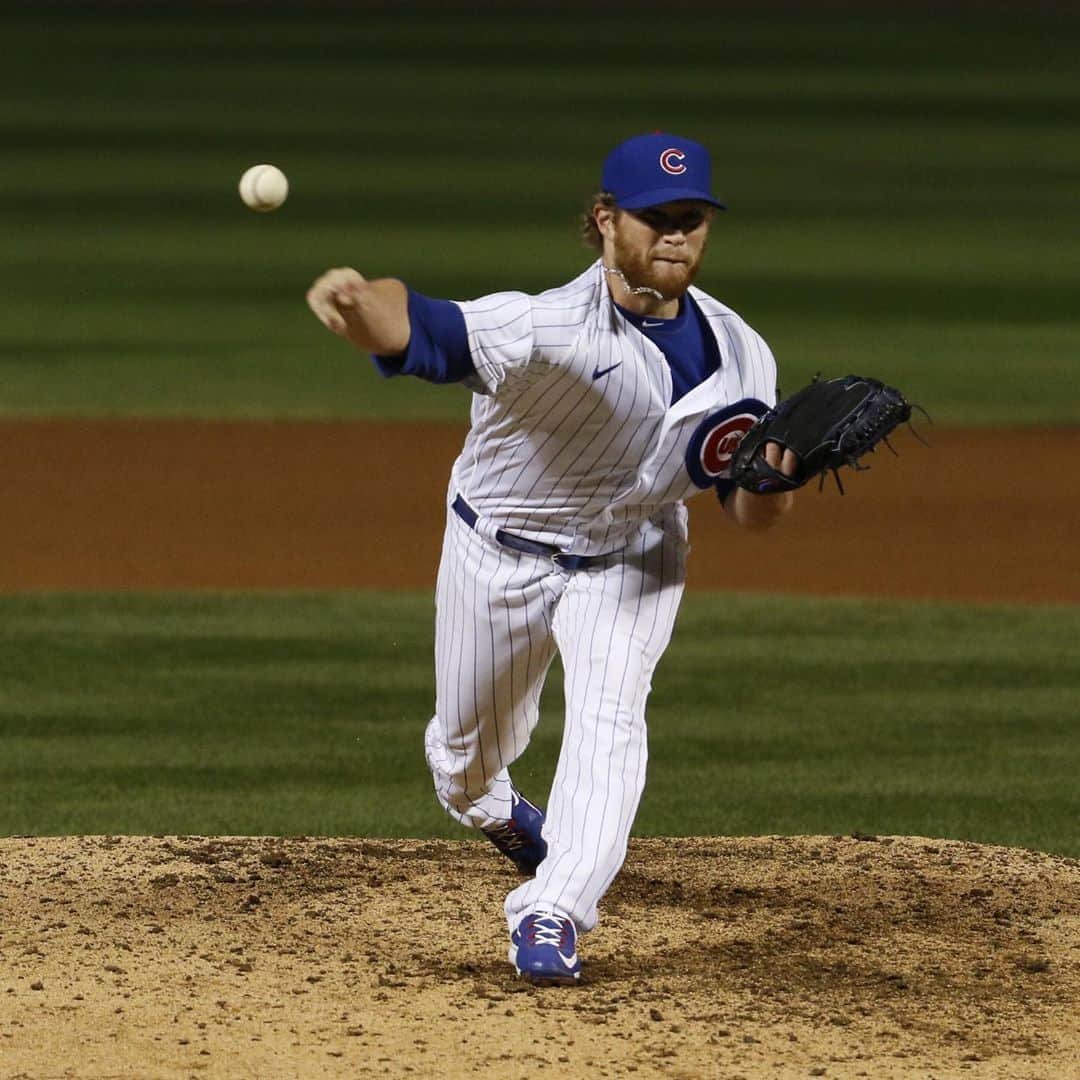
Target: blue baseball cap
pixel 659 168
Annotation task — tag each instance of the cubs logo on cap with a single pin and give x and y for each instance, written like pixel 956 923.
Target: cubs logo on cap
pixel 651 169
pixel 671 161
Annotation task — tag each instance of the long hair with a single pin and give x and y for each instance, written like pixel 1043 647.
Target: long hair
pixel 590 234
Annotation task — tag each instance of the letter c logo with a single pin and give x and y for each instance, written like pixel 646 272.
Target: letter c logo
pixel 671 161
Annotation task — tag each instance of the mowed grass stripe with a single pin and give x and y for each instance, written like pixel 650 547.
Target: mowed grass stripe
pixel 304 714
pixel 899 185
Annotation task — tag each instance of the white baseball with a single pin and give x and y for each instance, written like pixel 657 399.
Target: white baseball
pixel 264 187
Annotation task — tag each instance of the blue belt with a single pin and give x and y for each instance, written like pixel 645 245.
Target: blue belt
pixel 531 547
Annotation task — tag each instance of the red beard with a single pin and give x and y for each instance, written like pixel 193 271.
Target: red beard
pixel 644 271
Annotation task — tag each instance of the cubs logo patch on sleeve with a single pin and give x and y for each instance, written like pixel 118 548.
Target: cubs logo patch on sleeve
pixel 713 444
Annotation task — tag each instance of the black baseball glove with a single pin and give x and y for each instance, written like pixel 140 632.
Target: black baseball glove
pixel 826 425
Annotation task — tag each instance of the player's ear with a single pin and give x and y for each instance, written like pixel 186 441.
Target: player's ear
pixel 604 216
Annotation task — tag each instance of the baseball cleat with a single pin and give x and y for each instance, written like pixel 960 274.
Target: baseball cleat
pixel 543 950
pixel 519 839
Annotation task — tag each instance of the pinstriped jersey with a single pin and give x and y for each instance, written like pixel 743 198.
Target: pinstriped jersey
pixel 574 440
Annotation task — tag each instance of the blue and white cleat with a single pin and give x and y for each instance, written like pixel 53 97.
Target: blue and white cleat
pixel 519 839
pixel 543 950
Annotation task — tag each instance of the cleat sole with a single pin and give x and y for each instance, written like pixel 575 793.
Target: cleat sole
pixel 549 980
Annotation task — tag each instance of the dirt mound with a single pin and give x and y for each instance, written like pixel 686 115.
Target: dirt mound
pixel 771 956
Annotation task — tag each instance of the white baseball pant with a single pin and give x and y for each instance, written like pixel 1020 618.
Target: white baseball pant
pixel 500 615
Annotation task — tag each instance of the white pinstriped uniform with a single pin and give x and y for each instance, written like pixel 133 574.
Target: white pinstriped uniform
pixel 574 443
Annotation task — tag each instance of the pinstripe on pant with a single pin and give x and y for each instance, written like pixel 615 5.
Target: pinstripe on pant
pixel 500 617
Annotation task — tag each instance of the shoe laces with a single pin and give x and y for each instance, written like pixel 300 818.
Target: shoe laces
pixel 507 836
pixel 549 930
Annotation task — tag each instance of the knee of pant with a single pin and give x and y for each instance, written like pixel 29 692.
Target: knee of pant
pixel 458 801
pixel 451 781
pixel 438 757
pixel 463 807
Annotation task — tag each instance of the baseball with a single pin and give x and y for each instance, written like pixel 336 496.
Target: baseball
pixel 263 187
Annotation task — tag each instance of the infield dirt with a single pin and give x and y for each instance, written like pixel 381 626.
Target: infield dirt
pixel 780 957
pixel 983 515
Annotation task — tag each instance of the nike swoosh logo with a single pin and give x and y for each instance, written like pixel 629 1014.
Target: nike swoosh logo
pixel 569 961
pixel 598 374
pixel 651 324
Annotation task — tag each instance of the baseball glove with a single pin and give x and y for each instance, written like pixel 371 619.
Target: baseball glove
pixel 826 425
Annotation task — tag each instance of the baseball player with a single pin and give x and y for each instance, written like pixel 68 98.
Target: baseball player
pixel 598 407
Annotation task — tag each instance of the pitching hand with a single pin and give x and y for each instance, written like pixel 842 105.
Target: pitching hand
pixel 373 315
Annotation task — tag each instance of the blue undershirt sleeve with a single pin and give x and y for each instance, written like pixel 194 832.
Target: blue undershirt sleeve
pixel 438 348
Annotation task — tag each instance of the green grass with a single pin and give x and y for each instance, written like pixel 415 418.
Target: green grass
pixel 288 714
pixel 902 190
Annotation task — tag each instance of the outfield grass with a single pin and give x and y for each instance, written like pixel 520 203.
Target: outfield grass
pixel 303 714
pixel 902 187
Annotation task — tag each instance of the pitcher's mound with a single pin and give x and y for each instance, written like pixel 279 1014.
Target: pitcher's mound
pixel 771 956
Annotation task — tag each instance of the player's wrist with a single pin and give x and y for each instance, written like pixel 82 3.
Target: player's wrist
pixel 758 511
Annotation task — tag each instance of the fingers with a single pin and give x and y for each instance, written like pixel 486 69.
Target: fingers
pixel 326 313
pixel 337 291
pixel 348 290
pixel 782 460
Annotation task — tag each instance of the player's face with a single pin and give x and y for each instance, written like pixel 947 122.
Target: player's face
pixel 661 247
